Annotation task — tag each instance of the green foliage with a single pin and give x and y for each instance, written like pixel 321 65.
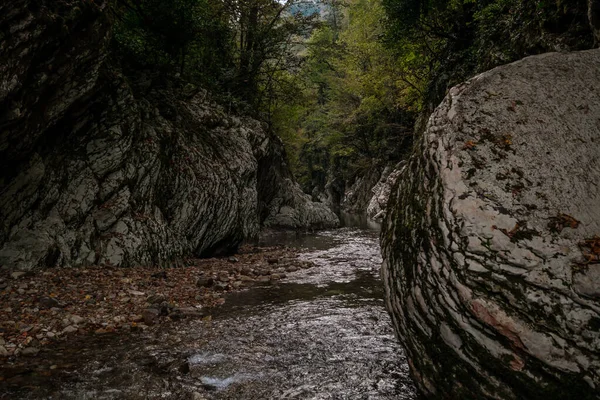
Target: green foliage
pixel 510 29
pixel 239 47
pixel 444 42
pixel 355 109
pixel 188 36
pixel 266 50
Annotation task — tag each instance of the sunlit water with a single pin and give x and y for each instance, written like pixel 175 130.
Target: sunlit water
pixel 321 333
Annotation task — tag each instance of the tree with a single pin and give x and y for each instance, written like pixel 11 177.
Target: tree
pixel 356 110
pixel 175 34
pixel 444 42
pixel 267 39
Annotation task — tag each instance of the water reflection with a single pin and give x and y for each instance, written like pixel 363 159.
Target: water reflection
pixel 360 221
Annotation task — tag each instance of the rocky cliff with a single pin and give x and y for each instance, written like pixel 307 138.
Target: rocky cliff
pixel 492 240
pixel 376 209
pixel 96 168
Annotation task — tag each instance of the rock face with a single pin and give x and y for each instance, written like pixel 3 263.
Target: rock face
pixel 492 277
pixel 376 209
pixel 95 169
pixel 283 204
pixel 357 197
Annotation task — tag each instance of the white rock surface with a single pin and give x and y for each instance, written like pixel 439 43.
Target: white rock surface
pixel 99 169
pixel 487 291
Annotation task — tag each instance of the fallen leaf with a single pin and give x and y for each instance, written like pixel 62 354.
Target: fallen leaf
pixel 561 221
pixel 591 250
pixel 469 145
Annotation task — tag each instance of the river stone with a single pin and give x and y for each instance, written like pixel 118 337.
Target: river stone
pixel 150 315
pixel 487 288
pixel 96 169
pixel 49 302
pixel 30 351
pixel 156 298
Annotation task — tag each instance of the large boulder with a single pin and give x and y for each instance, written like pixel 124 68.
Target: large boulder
pixel 491 254
pixel 96 168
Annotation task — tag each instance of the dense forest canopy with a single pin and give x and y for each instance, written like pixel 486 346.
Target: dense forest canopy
pixel 342 82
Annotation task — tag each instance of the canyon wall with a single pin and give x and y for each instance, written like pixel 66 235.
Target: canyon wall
pixel 98 168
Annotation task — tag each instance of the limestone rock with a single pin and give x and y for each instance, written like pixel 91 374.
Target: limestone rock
pixel 485 277
pixel 282 202
pixel 95 169
pixel 381 192
pixel 358 195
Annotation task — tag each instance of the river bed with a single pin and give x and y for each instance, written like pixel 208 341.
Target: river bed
pixel 321 333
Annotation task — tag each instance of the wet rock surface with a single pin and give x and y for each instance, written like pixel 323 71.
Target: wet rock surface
pixel 490 246
pixel 319 333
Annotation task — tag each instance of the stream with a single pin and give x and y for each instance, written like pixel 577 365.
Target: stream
pixel 321 333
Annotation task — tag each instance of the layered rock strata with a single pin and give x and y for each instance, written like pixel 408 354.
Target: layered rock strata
pixel 376 209
pixel 491 244
pixel 96 169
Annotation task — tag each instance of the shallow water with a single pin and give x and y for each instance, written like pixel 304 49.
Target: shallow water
pixel 321 333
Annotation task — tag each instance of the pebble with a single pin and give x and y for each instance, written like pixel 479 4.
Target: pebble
pixel 150 315
pixel 49 302
pixel 3 351
pixel 306 265
pixel 232 259
pixel 224 277
pixel 204 281
pixel 30 351
pixel 76 319
pixel 156 298
pixel 137 318
pixel 141 327
pixel 17 274
pixel 69 329
pixel 183 312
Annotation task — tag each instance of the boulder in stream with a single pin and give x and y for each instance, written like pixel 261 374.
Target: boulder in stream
pixel 491 244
